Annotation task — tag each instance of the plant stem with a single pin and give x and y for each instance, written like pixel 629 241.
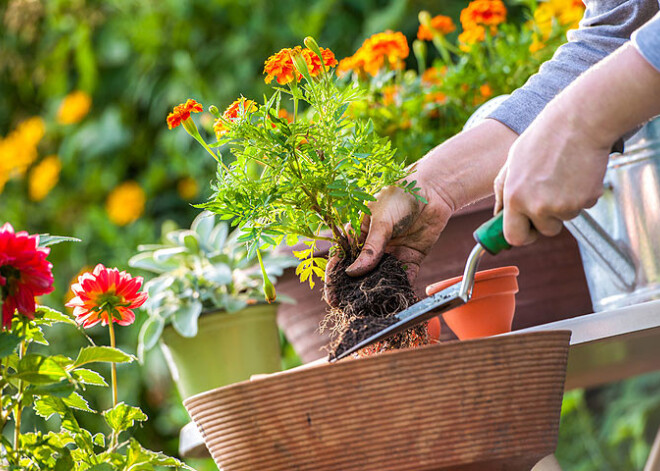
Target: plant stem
pixel 113 366
pixel 18 408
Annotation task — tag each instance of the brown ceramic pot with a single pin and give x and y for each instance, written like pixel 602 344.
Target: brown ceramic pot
pixel 551 281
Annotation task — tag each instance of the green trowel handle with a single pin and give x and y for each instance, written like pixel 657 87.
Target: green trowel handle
pixel 490 235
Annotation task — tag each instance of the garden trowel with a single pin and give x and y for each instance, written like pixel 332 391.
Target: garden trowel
pixel 490 238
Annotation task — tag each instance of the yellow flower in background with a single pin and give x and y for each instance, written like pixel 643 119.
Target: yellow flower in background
pixel 566 13
pixel 74 107
pixel 187 188
pixel 19 149
pixel 43 177
pixel 125 203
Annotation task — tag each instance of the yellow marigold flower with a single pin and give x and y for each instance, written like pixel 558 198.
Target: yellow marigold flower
pixel 125 203
pixel 19 148
pixel 74 107
pixel 471 36
pixel 388 49
pixel 43 177
pixel 483 13
pixel 567 13
pixel 440 23
pixel 536 45
pixel 187 188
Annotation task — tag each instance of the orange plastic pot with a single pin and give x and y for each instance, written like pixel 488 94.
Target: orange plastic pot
pixel 491 309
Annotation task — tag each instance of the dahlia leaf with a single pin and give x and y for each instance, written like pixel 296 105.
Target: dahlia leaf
pixel 8 343
pixel 49 314
pixel 38 369
pixel 46 240
pixel 62 388
pixel 76 401
pixel 90 377
pixel 101 354
pixel 122 417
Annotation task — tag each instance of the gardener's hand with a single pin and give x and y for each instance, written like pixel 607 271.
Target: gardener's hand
pixel 454 174
pixel 557 165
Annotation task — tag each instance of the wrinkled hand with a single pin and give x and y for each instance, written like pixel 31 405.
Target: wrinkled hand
pixel 554 169
pixel 403 226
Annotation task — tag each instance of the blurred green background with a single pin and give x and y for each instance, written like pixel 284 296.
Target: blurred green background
pixel 136 60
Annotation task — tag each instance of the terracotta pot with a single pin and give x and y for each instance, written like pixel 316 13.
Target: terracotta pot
pixel 485 404
pixel 552 282
pixel 490 310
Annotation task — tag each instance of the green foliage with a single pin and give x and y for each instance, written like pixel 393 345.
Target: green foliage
pixel 50 385
pixel 297 179
pixel 199 269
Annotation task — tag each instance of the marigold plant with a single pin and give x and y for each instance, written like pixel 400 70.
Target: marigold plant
pixel 317 172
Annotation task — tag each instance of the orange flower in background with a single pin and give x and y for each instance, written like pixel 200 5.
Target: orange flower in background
pixel 471 36
pixel 74 107
pixel 435 97
pixel 187 188
pixel 434 75
pixel 106 295
pixel 182 113
pixel 125 203
pixel 440 23
pixel 390 94
pixel 483 13
pixel 486 91
pixel 280 65
pixel 380 50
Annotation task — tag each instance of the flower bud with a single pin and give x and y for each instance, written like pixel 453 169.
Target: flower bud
pixel 269 290
pixel 419 49
pixel 214 111
pixel 312 45
pixel 300 64
pixel 424 18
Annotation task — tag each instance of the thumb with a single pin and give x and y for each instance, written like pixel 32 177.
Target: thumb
pixel 373 249
pixel 498 188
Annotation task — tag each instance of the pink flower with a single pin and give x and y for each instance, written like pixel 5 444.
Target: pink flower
pixel 24 273
pixel 106 295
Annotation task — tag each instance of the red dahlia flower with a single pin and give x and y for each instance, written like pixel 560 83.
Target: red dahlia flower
pixel 106 295
pixel 24 273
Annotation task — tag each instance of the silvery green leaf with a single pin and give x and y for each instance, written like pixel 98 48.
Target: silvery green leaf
pixel 203 225
pixel 191 241
pixel 218 273
pixel 163 255
pixel 149 334
pixel 167 310
pixel 158 285
pixel 146 261
pixel 185 318
pixel 234 304
pixel 219 235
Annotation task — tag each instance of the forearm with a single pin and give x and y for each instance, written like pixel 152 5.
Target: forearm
pixel 609 100
pixel 462 169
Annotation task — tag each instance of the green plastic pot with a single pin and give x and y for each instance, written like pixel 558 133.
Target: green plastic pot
pixel 228 348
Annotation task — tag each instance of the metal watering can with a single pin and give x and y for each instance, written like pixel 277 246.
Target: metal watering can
pixel 619 238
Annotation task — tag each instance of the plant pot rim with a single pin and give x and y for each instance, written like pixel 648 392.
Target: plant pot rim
pixel 483 275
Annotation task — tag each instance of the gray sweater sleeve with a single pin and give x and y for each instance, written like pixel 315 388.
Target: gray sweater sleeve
pixel 647 41
pixel 607 25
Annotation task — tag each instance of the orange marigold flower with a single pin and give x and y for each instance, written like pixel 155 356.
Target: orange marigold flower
pixel 486 91
pixel 280 65
pixel 471 36
pixel 380 50
pixel 182 112
pixel 106 295
pixel 483 13
pixel 433 75
pixel 234 111
pixel 442 24
pixel 390 94
pixel 435 97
